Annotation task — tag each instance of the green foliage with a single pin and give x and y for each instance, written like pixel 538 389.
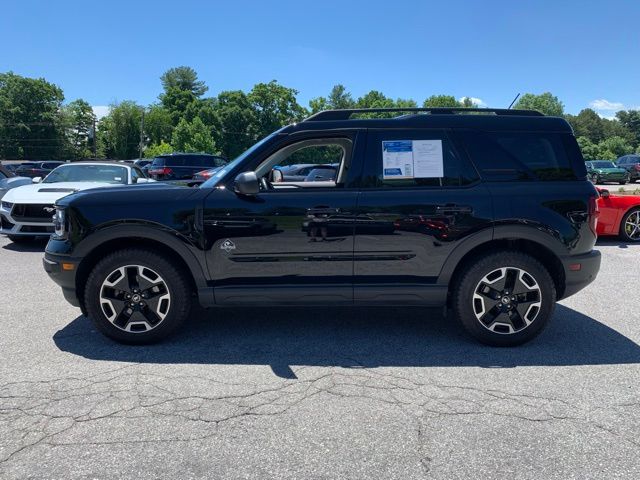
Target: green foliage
pixel 158 125
pixel 192 137
pixel 439 101
pixel 274 106
pixel 545 103
pixel 119 132
pixel 234 128
pixel 79 120
pixel 608 149
pixel 338 98
pixel 157 149
pixel 183 79
pixel 31 122
pixel 630 120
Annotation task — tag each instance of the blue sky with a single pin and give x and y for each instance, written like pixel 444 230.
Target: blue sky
pixel 585 52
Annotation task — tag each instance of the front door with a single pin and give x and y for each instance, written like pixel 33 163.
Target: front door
pixel 293 241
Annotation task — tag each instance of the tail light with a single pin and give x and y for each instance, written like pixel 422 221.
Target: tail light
pixel 160 171
pixel 203 174
pixel 593 212
pixel 637 166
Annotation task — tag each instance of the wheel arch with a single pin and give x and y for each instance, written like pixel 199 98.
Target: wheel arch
pixel 117 238
pixel 546 256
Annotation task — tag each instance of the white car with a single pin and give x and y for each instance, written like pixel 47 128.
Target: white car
pixel 27 212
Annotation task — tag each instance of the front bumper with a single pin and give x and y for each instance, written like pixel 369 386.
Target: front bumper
pixel 577 279
pixel 62 270
pixel 9 225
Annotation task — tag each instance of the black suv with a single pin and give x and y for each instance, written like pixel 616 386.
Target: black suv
pixel 488 213
pixel 631 163
pixel 182 166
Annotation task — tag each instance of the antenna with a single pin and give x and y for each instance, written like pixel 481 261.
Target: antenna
pixel 514 101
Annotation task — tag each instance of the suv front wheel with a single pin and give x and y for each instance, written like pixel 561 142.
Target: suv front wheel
pixel 504 299
pixel 136 296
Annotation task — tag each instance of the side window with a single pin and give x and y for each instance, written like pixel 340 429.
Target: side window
pixel 136 175
pixel 504 156
pixel 415 158
pixel 307 164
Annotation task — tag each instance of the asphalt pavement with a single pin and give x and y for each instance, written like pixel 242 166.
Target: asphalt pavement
pixel 319 393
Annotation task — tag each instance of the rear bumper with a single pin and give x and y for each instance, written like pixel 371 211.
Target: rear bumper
pixel 63 275
pixel 576 280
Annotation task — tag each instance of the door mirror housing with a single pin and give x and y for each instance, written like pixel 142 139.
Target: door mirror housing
pixel 604 193
pixel 247 183
pixel 36 179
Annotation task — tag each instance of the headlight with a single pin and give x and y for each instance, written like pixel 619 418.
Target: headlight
pixel 60 223
pixel 7 205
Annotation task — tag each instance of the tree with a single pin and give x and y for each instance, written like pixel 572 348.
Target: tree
pixel 544 103
pixel 338 98
pixel 235 127
pixel 589 150
pixel 158 125
pixel 31 125
pixel 587 124
pixel 184 79
pixel 630 119
pixel 275 106
pixel 192 137
pixel 436 101
pixel 614 147
pixel 157 149
pixel 79 120
pixel 119 132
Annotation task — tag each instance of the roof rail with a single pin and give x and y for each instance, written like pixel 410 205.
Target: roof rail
pixel 345 114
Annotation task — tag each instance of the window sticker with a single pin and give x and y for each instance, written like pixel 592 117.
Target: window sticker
pixel 403 159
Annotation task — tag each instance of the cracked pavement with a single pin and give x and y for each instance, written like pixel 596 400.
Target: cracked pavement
pixel 320 393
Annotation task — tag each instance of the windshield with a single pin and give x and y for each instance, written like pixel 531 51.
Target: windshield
pixel 231 165
pixel 603 165
pixel 88 173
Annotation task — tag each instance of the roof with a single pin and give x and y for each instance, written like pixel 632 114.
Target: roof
pixel 476 118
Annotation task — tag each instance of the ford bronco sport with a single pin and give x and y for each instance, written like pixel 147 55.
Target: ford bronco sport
pixel 488 212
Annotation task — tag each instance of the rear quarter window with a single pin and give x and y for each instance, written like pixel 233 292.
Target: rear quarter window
pixel 509 156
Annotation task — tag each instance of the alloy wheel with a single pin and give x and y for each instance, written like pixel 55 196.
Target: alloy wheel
pixel 632 225
pixel 135 298
pixel 507 300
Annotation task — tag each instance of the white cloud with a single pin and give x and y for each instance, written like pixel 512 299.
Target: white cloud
pixel 100 111
pixel 477 101
pixel 606 105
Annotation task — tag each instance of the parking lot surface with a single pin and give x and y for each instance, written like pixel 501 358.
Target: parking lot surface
pixel 319 393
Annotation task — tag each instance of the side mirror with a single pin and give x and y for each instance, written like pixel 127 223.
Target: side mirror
pixel 36 179
pixel 247 183
pixel 604 193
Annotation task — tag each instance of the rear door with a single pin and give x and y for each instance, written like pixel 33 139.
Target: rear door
pixel 420 197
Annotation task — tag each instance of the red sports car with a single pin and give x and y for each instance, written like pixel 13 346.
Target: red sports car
pixel 619 215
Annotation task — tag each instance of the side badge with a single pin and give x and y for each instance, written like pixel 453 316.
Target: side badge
pixel 227 246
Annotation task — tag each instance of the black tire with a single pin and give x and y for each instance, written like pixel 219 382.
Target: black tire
pixel 536 312
pixel 21 238
pixel 173 296
pixel 632 235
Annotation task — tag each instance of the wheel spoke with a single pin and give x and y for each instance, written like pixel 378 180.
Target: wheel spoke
pixel 489 317
pixel 154 291
pixel 488 292
pixel 123 317
pixel 151 316
pixel 510 280
pixel 516 319
pixel 132 278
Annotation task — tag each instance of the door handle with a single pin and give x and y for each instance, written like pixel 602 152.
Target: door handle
pixel 321 209
pixel 452 208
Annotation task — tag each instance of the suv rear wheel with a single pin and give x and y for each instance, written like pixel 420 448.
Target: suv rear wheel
pixel 136 296
pixel 504 299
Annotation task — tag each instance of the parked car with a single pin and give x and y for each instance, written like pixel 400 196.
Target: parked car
pixel 602 171
pixel 36 169
pixel 631 163
pixel 204 175
pixel 11 167
pixel 507 187
pixel 296 172
pixel 619 216
pixel 182 166
pixel 322 173
pixel 27 211
pixel 9 180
